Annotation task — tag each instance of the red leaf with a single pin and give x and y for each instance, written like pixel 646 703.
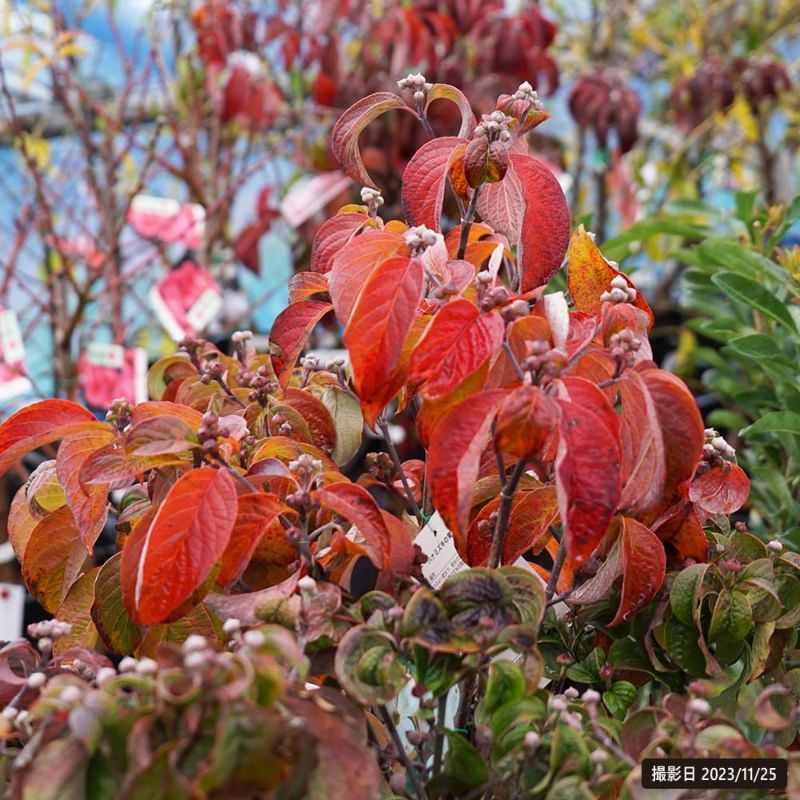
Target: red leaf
pixel 720 490
pixel 589 275
pixel 528 526
pixel 89 505
pixel 425 178
pixel 502 205
pixel 332 236
pixel 344 137
pixel 378 326
pixel 545 226
pixel 644 565
pixel 39 424
pixel 354 264
pixel 681 429
pixel 527 424
pixel 186 538
pixel 109 465
pixel 443 91
pixel 315 414
pixel 303 285
pixel 587 479
pixel 454 459
pixel 642 446
pixel 256 512
pixel 684 532
pixel 289 333
pixel 356 504
pixel 457 343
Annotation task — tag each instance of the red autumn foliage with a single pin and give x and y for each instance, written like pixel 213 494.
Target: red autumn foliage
pixel 546 424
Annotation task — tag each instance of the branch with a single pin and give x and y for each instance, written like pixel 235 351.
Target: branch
pixel 466 224
pixel 412 501
pixel 501 529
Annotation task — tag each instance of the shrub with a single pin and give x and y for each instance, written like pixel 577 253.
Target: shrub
pixel 548 432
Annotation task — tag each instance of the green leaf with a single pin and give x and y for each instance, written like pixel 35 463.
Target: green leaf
pixel 731 255
pixel 774 422
pixel 464 768
pixel 119 632
pixel 505 684
pixel 744 290
pixel 758 347
pixel 619 697
pixel 346 412
pixel 685 592
pixel 680 641
pixel 732 617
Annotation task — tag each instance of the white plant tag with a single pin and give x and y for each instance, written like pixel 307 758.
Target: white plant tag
pixel 436 541
pixel 204 309
pixel 102 354
pixel 12 611
pixel 11 343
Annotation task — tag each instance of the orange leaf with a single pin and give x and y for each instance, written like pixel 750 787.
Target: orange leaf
pixel 289 334
pixel 89 505
pixel 589 275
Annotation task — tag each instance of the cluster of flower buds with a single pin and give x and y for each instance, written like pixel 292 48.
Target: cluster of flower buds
pixel 623 346
pixel 372 198
pixel 417 84
pixel 621 292
pixel 516 309
pixel 495 126
pixel 420 239
pixel 48 631
pixel 241 342
pixel 524 105
pixel 284 427
pixel 306 466
pixel 213 371
pixel 260 384
pixel 490 298
pixel 542 360
pixel 443 291
pixel 380 465
pixel 211 430
pixel 716 450
pixel 119 413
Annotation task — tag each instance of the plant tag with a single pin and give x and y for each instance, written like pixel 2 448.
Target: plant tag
pixel 204 309
pixel 106 355
pixel 107 372
pixel 436 541
pixel 185 300
pixel 12 611
pixel 309 196
pixel 11 342
pixel 167 220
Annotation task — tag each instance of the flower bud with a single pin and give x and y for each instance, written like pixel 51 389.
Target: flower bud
pixel 36 680
pixel 699 706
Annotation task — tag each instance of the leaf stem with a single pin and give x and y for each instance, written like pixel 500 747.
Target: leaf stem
pixel 558 563
pixel 438 748
pixel 466 224
pixel 501 529
pixel 412 501
pixel 386 717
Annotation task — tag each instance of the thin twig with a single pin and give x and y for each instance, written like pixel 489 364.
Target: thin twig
pixel 513 359
pixel 466 224
pixel 439 734
pixel 412 501
pixel 556 571
pixel 501 529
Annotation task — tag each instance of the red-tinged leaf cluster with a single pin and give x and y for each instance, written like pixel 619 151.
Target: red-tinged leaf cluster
pixel 602 102
pixel 547 429
pixel 716 83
